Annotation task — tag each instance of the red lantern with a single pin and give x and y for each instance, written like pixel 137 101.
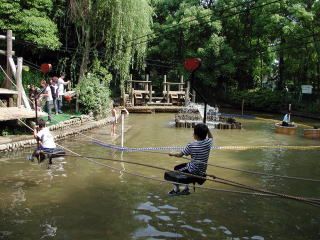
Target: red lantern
pixel 67 98
pixel 192 64
pixel 45 67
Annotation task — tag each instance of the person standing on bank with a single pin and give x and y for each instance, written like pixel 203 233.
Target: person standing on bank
pixel 61 83
pixel 54 92
pixel 48 98
pixel 199 151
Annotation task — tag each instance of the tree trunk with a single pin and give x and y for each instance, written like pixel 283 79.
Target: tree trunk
pixel 281 66
pixel 85 55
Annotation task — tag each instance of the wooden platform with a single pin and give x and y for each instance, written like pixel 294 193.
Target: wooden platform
pixel 311 133
pixel 154 109
pixel 13 113
pixel 290 130
pixel 8 91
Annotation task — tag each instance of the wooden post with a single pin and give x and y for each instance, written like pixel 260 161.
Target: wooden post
pixel 19 81
pixel 193 95
pixel 150 93
pixel 168 91
pixel 187 93
pixel 181 81
pixel 8 83
pixel 146 86
pixel 289 112
pixel 124 99
pixel 130 90
pixel 165 83
pixel 130 85
pixel 242 107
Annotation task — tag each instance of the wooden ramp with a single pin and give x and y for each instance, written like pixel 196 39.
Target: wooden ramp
pixel 13 113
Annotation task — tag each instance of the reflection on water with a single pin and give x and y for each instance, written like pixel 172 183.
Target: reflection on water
pixel 76 199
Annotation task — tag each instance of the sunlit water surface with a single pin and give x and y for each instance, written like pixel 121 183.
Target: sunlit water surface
pixel 78 199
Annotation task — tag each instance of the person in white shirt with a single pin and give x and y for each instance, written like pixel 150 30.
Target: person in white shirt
pixel 47 95
pixel 286 120
pixel 45 140
pixel 43 134
pixel 61 83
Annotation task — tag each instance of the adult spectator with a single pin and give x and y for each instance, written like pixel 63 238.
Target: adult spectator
pixel 48 98
pixel 61 83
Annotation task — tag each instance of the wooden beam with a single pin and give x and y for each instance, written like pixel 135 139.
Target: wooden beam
pixel 9 55
pixel 139 81
pixel 19 81
pixel 182 83
pixel 13 66
pixel 173 83
pixel 3 37
pixel 3 52
pixel 146 86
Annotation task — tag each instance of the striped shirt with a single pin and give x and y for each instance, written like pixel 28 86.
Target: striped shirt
pixel 199 151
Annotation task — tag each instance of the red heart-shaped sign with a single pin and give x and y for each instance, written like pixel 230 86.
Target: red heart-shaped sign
pixel 192 64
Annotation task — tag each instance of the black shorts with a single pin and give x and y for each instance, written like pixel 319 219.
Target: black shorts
pixel 183 167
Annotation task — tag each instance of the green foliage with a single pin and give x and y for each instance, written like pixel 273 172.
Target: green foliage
pixel 93 90
pixel 30 21
pixel 31 77
pixel 258 99
pixel 242 44
pixel 112 25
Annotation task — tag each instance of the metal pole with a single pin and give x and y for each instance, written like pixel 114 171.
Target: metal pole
pixel 205 112
pixel 122 128
pixel 36 108
pixel 289 112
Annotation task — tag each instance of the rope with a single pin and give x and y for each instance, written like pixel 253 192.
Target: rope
pixel 146 177
pixel 213 178
pixel 313 202
pixel 143 149
pixel 118 148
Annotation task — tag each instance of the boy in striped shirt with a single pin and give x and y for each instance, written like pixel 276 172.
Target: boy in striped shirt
pixel 199 151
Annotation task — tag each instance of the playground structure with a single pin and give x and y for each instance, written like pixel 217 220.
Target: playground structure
pixel 140 93
pixel 14 103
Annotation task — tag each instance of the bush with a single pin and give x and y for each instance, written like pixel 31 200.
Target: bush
pixel 93 91
pixel 260 99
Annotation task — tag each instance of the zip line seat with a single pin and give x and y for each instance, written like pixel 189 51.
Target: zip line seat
pixel 177 177
pixel 41 155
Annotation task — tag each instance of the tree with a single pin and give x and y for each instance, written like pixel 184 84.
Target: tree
pixel 108 29
pixel 30 21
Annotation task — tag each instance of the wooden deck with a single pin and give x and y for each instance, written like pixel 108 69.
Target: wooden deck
pixel 8 91
pixel 13 113
pixel 154 109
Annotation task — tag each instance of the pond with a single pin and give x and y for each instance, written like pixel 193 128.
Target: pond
pixel 79 199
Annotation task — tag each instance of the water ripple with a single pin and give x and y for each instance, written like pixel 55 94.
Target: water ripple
pixel 192 228
pixel 148 206
pixel 143 218
pixel 151 231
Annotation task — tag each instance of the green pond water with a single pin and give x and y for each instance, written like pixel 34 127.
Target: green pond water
pixel 78 199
